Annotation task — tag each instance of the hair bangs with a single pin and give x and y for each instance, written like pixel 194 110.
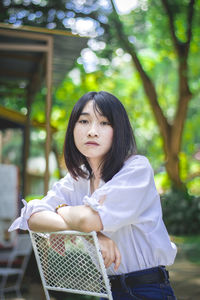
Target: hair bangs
pixel 102 106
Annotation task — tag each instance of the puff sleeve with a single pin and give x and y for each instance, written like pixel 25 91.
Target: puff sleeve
pixel 59 194
pixel 130 197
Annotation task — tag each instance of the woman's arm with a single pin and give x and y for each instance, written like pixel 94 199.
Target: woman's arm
pixel 47 221
pixel 81 218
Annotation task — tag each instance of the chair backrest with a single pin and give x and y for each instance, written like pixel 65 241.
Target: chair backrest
pixel 71 261
pixel 22 249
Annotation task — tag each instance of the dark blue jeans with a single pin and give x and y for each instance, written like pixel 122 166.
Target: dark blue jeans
pixel 152 291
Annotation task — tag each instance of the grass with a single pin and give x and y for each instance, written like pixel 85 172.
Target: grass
pixel 190 246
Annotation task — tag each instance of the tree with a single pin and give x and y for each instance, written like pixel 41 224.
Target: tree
pixel 171 131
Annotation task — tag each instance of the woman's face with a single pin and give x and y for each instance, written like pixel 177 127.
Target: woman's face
pixel 93 134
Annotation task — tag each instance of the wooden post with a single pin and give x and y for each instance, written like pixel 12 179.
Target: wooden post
pixel 48 110
pixel 1 146
pixel 26 145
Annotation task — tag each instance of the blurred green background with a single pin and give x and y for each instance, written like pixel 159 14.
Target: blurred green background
pixel 147 53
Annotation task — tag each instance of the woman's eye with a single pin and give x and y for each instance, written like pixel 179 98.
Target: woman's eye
pixel 105 123
pixel 83 121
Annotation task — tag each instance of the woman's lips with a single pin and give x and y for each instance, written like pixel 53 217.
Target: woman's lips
pixel 92 144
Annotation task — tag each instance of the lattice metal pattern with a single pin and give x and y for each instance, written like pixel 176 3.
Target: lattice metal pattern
pixel 70 261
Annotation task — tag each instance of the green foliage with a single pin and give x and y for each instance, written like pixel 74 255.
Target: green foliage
pixel 191 135
pixel 162 181
pixel 189 246
pixel 190 172
pixel 12 148
pixel 32 197
pixel 181 213
pixel 194 186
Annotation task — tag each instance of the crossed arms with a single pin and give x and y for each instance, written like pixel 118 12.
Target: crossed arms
pixel 80 218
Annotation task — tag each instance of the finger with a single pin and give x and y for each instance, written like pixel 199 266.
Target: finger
pixel 105 257
pixel 117 259
pixel 109 258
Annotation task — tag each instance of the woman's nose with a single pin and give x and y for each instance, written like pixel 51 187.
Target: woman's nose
pixel 93 131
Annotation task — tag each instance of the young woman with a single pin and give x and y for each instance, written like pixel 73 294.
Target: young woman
pixel 109 189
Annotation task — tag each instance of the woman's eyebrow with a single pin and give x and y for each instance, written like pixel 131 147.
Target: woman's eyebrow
pixel 88 114
pixel 84 113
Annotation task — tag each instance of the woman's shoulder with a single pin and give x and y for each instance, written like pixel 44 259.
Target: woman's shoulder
pixel 138 166
pixel 136 163
pixel 137 160
pixel 69 178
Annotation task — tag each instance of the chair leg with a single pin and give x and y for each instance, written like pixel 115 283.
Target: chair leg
pixel 3 284
pixel 18 293
pixel 2 295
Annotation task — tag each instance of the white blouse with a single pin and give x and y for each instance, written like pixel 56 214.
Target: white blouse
pixel 129 208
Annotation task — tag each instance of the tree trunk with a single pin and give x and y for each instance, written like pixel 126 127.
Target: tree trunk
pixel 173 170
pixel 55 151
pixel 172 163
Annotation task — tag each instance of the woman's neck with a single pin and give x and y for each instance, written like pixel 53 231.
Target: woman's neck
pixel 94 183
pixel 96 175
pixel 95 165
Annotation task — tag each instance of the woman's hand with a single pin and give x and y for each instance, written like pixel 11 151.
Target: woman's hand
pixel 109 251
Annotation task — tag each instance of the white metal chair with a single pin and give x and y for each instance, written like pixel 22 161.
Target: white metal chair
pixel 71 261
pixel 22 251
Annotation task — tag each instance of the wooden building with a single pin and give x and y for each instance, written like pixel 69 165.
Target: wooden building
pixel 34 57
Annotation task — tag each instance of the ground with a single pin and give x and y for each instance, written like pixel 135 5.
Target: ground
pixel 185 279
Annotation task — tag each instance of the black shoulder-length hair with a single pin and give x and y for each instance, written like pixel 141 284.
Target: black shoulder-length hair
pixel 123 144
